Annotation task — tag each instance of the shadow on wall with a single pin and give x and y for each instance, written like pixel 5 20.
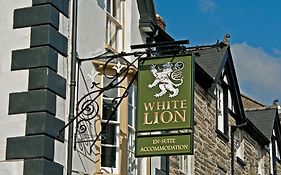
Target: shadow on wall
pixel 101 3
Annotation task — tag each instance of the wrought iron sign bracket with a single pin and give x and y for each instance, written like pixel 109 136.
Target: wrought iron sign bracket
pixel 87 107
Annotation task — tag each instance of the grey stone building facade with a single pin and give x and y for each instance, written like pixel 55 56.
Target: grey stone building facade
pixel 239 144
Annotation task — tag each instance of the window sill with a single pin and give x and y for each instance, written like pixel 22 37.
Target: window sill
pixel 222 136
pixel 109 48
pixel 240 161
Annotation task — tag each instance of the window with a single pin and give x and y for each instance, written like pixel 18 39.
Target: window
pixel 110 143
pixel 277 152
pixel 132 100
pixel 271 158
pixel 261 170
pixel 230 102
pixel 274 153
pixel 222 112
pixel 220 109
pixel 240 145
pixel 185 164
pixel 113 23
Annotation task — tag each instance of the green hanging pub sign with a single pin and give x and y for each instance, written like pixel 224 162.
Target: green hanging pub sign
pixel 165 104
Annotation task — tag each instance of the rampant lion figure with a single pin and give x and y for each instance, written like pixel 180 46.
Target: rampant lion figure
pixel 164 78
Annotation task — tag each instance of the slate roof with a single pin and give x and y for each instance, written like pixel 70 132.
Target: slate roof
pixel 263 119
pixel 210 59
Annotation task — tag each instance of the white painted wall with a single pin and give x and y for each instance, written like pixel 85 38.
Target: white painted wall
pixel 91 42
pixel 137 37
pixel 83 161
pixel 155 163
pixel 91 27
pixel 11 167
pixel 11 39
pixel 16 81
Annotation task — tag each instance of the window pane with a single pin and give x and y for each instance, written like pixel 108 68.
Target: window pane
pixel 277 150
pixel 108 110
pixel 130 96
pixel 114 9
pixel 183 163
pixel 220 110
pixel 108 6
pixel 108 156
pixel 110 93
pixel 132 161
pixel 130 115
pixel 109 134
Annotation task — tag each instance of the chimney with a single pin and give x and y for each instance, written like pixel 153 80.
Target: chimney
pixel 160 22
pixel 226 39
pixel 276 104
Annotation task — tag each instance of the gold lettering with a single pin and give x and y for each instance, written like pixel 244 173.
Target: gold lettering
pixel 149 106
pixel 172 140
pixel 175 103
pixel 168 105
pixel 161 105
pixel 183 104
pixel 155 141
pixel 145 116
pixel 181 116
pixel 170 117
pixel 185 146
pixel 155 118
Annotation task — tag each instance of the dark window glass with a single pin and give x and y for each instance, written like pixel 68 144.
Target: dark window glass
pixel 130 115
pixel 108 110
pixel 112 92
pixel 108 6
pixel 109 133
pixel 114 11
pixel 108 156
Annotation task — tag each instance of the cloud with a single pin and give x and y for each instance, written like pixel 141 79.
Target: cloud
pixel 259 74
pixel 207 6
pixel 277 52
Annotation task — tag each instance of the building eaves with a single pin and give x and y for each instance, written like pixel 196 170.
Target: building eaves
pixel 263 119
pixel 256 133
pixel 210 59
pixel 147 22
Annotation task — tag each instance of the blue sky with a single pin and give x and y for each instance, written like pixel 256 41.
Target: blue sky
pixel 255 29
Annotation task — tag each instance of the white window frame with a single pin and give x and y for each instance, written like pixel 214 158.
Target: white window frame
pixel 133 164
pixel 271 157
pixel 117 130
pixel 261 169
pixel 113 25
pixel 185 164
pixel 220 109
pixel 240 145
pixel 230 101
pixel 277 152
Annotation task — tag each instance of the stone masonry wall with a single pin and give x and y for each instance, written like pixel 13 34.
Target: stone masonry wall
pixel 278 167
pixel 212 154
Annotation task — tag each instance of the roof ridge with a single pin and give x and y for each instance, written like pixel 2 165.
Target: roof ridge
pixel 259 108
pixel 250 98
pixel 209 46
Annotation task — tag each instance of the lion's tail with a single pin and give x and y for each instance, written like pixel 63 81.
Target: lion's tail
pixel 177 76
pixel 177 84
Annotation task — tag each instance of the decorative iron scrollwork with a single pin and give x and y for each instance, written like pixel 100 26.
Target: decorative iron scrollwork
pixel 87 108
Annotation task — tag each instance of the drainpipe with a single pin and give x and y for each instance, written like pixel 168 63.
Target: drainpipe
pixel 233 128
pixel 72 86
pixel 232 131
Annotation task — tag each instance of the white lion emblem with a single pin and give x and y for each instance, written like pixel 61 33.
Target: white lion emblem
pixel 164 78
